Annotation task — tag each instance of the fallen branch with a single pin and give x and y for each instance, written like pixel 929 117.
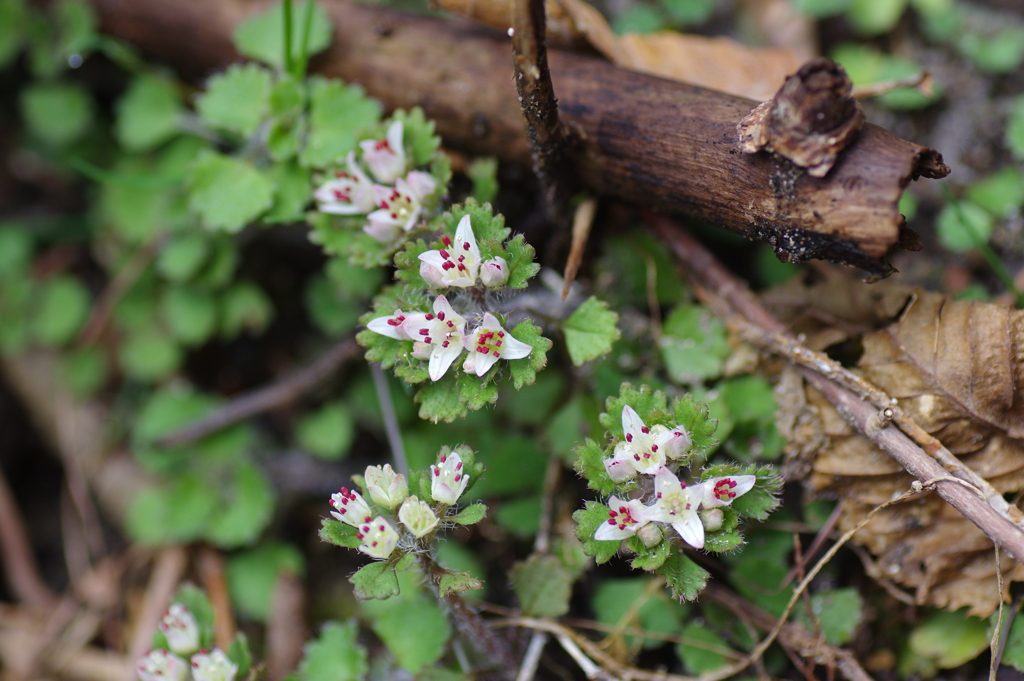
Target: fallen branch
pixel 647 140
pixel 862 405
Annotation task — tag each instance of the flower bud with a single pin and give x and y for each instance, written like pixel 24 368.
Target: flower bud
pixel 494 272
pixel 378 538
pixel 712 518
pixel 417 516
pixel 650 534
pixel 181 630
pixel 387 488
pixel 214 666
pixel 161 665
pixel 448 482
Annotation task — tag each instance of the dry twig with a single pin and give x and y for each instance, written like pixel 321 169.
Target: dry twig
pixel 16 556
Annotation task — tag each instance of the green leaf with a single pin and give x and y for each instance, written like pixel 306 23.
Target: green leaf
pixel 414 630
pixel 701 659
pixel 524 371
pixel 148 114
pixel 760 578
pixel 689 12
pixel 962 226
pixel 418 136
pixel 470 515
pixel 13 27
pixel 252 575
pixel 61 310
pixel 190 314
pixel 336 655
pixel 261 36
pixel 376 580
pixel 650 558
pixel 1013 652
pixel 693 344
pixel 590 331
pixel 590 458
pixel 483 173
pixel 16 246
pixel 521 517
pixel 236 100
pixel 339 534
pixel 328 432
pixel 818 9
pixel 227 193
pixel 439 400
pixel 85 371
pixel 543 586
pixel 650 610
pixel 588 519
pixel 293 193
pixel 867 66
pixel 758 502
pixel 685 578
pixel 651 405
pixel 57 113
pixel 338 115
pixel 838 612
pixel 148 355
pixel 696 418
pixel 239 653
pixel 949 639
pixel 245 308
pixel 1015 128
pixel 453 582
pixel 873 17
pixel 1001 193
pixel 177 512
pixel 181 257
pixel 249 510
pixel 1000 52
pixel 333 314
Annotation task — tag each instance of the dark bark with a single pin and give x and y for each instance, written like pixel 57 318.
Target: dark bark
pixel 662 144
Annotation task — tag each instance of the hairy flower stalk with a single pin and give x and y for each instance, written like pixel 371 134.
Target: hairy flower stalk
pixel 448 481
pixel 378 538
pixel 457 264
pixel 350 508
pixel 489 343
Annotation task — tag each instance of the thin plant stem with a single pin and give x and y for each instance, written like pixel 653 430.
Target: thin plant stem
pixel 986 251
pixel 286 9
pixel 307 27
pixel 387 410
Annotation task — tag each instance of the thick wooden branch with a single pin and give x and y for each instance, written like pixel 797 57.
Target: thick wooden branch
pixel 650 141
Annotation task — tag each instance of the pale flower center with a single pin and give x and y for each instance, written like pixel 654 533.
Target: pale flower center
pixel 441 331
pixel 490 342
pixel 675 502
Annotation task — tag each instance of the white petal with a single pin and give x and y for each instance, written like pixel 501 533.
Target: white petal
pixel 394 136
pixel 514 349
pixel 441 359
pixel 631 423
pixel 691 529
pixel 380 325
pixel 482 362
pixel 422 184
pixel 609 532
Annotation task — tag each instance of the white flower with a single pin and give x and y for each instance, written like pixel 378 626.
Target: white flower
pixel 620 467
pixel 349 193
pixel 676 504
pixel 386 157
pixel 494 272
pixel 490 342
pixel 214 666
pixel 440 333
pixel 392 326
pixel 625 517
pixel 649 448
pixel 458 263
pixel 180 628
pixel 400 207
pixel 448 482
pixel 161 665
pixel 386 488
pixel 350 507
pixel 722 491
pixel 417 516
pixel 378 538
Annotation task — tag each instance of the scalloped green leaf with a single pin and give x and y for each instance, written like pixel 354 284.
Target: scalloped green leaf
pixel 338 533
pixel 649 559
pixel 696 418
pixel 470 515
pixel 521 266
pixel 338 115
pixel 646 401
pixel 336 655
pixel 456 581
pixel 227 193
pixel 543 586
pixel 685 578
pixel 477 393
pixel 237 100
pixel 524 371
pixel 375 581
pixel 589 463
pixel 588 519
pixel 590 331
pixel 418 135
pixel 440 400
pixel 693 344
pixel 148 114
pixel 261 36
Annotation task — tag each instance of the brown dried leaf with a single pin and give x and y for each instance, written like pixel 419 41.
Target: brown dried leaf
pixel 957 368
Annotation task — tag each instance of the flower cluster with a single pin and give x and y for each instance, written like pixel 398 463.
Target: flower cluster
pixel 393 201
pixel 441 336
pixel 650 451
pixel 378 533
pixel 169 664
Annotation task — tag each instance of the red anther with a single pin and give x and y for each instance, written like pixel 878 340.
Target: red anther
pixel 611 521
pixel 458 476
pixel 436 472
pixel 501 334
pixel 373 544
pixel 444 344
pixel 394 216
pixel 654 448
pixel 446 240
pixel 440 315
pixel 636 457
pixel 482 349
pixel 429 316
pixel 444 254
pixel 384 205
pixel 465 246
pixel 497 344
pixel 496 354
pixel 424 332
pixel 427 340
pixel 629 437
pixel 645 430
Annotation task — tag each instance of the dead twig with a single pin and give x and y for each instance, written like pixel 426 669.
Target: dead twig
pixel 168 568
pixel 210 563
pixel 250 404
pixel 548 137
pixel 582 221
pixel 16 556
pixel 857 400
